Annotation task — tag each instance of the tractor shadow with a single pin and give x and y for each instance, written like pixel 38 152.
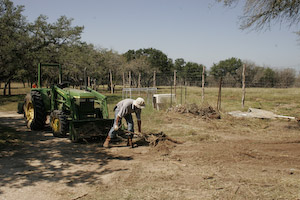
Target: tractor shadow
pixel 41 157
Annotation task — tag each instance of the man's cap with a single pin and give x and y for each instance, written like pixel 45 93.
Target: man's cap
pixel 139 103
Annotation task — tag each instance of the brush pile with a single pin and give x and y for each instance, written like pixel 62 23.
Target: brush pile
pixel 155 138
pixel 204 111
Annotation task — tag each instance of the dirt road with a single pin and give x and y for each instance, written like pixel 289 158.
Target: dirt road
pixel 229 161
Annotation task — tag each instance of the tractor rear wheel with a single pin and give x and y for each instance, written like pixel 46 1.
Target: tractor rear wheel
pixel 34 112
pixel 59 123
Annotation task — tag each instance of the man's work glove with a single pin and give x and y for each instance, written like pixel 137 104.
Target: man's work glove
pixel 116 127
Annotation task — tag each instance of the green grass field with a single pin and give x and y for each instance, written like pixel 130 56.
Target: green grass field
pixel 281 101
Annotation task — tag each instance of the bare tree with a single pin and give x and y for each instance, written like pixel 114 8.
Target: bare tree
pixel 259 14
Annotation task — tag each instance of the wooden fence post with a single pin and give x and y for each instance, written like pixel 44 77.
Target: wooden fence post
pixel 175 83
pixel 203 81
pixel 111 82
pixel 219 95
pixel 243 86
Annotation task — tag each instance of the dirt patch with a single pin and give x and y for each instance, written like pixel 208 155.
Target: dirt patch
pixel 204 111
pixel 254 159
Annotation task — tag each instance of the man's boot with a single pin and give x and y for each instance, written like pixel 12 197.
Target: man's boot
pixel 106 143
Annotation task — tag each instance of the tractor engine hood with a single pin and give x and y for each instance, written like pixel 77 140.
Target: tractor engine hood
pixel 80 95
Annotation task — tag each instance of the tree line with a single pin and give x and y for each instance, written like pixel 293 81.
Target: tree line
pixel 24 44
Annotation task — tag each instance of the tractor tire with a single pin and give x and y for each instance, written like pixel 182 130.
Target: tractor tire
pixel 34 112
pixel 59 123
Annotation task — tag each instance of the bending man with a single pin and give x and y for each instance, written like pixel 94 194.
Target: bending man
pixel 124 109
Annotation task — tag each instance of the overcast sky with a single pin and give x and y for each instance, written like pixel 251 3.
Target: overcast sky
pixel 201 31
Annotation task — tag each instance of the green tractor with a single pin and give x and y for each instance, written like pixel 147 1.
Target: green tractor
pixel 81 114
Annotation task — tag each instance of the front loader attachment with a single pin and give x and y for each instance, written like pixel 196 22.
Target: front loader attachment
pixel 89 129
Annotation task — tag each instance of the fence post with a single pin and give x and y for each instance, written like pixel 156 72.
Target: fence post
pixel 203 81
pixel 175 83
pixel 154 79
pixel 219 95
pixel 244 85
pixel 111 82
pixel 181 93
pixel 171 96
pixel 185 92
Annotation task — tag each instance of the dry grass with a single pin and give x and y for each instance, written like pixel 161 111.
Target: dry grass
pixel 225 158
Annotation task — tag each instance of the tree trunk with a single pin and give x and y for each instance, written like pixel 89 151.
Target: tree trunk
pixel 9 88
pixel 129 79
pixel 5 87
pixel 4 90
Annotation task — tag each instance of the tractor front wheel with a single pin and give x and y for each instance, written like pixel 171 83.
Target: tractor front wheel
pixel 59 123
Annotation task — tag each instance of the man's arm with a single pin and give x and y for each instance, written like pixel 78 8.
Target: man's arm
pixel 139 122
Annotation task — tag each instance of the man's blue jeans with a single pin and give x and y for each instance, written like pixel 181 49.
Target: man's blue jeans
pixel 129 121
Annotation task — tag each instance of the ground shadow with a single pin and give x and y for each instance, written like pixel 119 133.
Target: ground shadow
pixel 42 157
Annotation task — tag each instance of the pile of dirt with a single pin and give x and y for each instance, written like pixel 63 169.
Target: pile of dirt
pixel 155 138
pixel 204 111
pixel 160 142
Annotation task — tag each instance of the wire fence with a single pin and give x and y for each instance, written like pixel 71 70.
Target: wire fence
pixel 175 83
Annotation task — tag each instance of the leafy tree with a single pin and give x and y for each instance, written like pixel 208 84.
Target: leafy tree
pixel 269 77
pixel 179 64
pixel 158 60
pixel 229 67
pixel 13 35
pixel 193 72
pixel 49 42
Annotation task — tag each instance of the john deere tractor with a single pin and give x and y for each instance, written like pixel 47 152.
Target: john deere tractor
pixel 78 113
